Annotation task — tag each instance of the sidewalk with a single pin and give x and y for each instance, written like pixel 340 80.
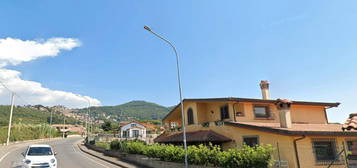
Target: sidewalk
pixel 112 160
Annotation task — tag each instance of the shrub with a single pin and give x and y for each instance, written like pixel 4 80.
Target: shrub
pixel 135 147
pixel 92 142
pixel 155 151
pixel 210 155
pixel 102 145
pixel 247 157
pixel 114 145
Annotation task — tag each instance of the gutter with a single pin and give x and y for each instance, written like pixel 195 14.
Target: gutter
pixel 234 111
pixel 296 151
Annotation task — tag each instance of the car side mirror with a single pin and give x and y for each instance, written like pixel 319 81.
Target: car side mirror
pixel 55 153
pixel 23 154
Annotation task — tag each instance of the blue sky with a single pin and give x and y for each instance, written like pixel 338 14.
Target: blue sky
pixel 306 49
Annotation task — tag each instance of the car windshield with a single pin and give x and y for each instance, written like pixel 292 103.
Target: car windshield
pixel 39 151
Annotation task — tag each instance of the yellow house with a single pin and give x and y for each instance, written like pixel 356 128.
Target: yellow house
pixel 298 130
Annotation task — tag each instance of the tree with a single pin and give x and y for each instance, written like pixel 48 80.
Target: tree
pixel 107 126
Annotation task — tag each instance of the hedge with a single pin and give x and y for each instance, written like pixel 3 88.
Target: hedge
pixel 211 155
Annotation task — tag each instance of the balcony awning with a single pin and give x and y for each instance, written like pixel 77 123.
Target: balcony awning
pixel 197 136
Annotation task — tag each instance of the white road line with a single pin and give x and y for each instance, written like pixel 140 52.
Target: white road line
pixel 74 149
pixel 4 156
pixel 94 161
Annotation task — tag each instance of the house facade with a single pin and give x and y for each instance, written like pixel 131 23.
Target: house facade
pixel 298 130
pixel 132 130
pixel 139 130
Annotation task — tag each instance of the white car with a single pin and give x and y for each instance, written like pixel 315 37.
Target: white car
pixel 40 156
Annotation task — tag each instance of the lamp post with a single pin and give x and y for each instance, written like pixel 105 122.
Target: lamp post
pixel 88 113
pixel 179 87
pixel 89 118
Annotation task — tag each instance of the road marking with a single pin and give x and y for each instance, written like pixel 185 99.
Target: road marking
pixel 74 149
pixel 90 158
pixel 4 156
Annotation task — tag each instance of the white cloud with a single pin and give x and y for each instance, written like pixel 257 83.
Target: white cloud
pixel 15 52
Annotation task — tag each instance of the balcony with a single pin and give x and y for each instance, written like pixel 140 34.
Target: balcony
pixel 196 127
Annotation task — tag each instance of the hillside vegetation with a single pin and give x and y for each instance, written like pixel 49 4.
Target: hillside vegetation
pixel 27 115
pixel 21 132
pixel 137 110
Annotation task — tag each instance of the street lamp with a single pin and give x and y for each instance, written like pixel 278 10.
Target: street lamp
pixel 180 89
pixel 88 112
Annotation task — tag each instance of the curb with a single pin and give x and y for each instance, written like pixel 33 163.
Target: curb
pixel 117 164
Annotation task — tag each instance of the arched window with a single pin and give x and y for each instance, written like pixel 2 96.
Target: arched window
pixel 190 116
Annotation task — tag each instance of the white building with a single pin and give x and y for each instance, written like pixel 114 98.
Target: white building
pixel 132 130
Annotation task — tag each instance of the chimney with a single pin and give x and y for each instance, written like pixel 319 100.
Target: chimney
pixel 264 86
pixel 283 106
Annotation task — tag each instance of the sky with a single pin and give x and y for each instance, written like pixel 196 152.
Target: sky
pixel 65 52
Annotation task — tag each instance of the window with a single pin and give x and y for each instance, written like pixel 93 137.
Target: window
pixel 350 144
pixel 251 140
pixel 173 125
pixel 190 116
pixel 125 134
pixel 261 111
pixel 39 151
pixel 325 150
pixel 224 112
pixel 135 133
pixel 133 125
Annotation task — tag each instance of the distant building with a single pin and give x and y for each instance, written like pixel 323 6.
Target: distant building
pixel 138 130
pixel 69 128
pixel 132 130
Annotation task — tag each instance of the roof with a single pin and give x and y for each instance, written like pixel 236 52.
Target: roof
pixel 197 136
pixel 236 99
pixel 149 126
pixel 351 122
pixel 146 125
pixel 296 129
pixel 40 145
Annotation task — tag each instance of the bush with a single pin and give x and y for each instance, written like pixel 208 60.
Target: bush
pixel 102 145
pixel 114 145
pixel 247 157
pixel 92 142
pixel 135 147
pixel 211 155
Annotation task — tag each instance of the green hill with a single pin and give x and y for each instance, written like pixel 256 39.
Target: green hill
pixel 29 115
pixel 134 110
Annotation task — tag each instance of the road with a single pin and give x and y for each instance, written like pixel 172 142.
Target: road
pixel 68 155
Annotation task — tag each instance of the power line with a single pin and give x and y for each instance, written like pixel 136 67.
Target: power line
pixel 17 95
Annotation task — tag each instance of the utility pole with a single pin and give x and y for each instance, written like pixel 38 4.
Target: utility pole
pixel 51 124
pixel 64 123
pixel 10 120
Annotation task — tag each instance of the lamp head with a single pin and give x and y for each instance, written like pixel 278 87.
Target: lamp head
pixel 147 28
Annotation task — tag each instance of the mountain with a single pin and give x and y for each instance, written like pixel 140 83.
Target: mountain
pixel 134 110
pixel 31 115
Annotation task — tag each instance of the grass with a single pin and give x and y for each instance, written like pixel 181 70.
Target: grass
pixel 21 132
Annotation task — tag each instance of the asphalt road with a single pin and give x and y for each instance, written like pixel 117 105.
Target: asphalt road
pixel 68 155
